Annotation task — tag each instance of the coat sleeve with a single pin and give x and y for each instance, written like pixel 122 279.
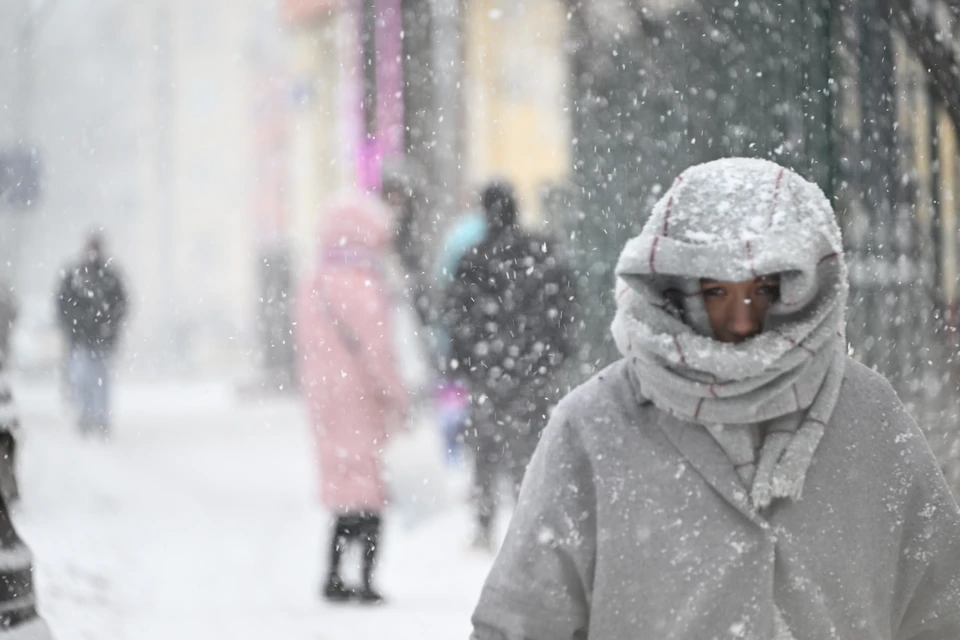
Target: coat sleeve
pixel 365 307
pixel 457 300
pixel 929 586
pixel 65 303
pixel 541 582
pixel 120 303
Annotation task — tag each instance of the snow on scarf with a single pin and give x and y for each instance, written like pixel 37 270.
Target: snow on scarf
pixel 734 220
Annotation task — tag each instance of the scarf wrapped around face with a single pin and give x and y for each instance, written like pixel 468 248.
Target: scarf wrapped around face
pixel 734 220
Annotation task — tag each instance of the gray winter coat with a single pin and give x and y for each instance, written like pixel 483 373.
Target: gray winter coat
pixel 633 524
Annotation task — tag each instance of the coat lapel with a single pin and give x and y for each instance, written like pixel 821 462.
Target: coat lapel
pixel 705 455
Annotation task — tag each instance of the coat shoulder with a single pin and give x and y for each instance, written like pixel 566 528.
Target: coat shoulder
pixel 608 397
pixel 870 416
pixel 866 384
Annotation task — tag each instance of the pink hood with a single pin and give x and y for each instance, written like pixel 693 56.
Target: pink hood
pixel 356 220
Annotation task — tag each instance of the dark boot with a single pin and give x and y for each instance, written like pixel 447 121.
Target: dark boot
pixel 345 529
pixel 335 591
pixel 370 537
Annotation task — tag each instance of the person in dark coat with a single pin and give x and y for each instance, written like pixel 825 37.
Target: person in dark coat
pixel 509 314
pixel 92 307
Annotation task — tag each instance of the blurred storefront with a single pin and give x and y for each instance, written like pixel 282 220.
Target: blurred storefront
pixel 346 115
pixel 517 96
pixel 483 86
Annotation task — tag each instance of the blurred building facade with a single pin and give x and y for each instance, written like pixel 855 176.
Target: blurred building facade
pixel 319 40
pixel 517 96
pixel 201 179
pixel 141 114
pixel 205 137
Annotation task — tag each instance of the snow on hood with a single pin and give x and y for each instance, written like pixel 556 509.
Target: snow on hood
pixel 733 220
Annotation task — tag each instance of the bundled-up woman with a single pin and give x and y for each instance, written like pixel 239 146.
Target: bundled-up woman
pixel 735 475
pixel 351 378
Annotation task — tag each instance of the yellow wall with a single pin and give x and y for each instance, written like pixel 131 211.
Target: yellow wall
pixel 516 95
pixel 948 204
pixel 318 164
pixel 321 160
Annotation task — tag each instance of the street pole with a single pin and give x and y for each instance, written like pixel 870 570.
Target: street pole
pixel 448 83
pixel 34 15
pixel 24 69
pixel 878 185
pixel 164 164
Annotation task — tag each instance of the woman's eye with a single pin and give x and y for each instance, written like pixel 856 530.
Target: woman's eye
pixel 770 291
pixel 712 292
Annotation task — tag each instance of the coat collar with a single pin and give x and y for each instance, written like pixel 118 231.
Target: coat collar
pixel 705 455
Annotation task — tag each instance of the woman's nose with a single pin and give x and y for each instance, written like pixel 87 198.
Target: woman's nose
pixel 743 319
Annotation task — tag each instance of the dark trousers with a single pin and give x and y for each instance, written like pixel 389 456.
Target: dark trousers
pixel 503 436
pixel 89 377
pixel 494 458
pixel 361 528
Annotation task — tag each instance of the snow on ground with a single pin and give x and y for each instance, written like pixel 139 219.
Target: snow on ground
pixel 198 521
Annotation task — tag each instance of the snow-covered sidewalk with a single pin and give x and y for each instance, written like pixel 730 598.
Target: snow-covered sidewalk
pixel 198 521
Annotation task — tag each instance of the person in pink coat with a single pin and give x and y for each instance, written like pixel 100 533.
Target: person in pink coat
pixel 350 378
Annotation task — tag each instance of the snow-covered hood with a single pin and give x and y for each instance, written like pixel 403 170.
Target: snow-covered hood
pixel 732 220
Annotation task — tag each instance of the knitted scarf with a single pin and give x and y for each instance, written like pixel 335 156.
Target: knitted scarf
pixel 734 220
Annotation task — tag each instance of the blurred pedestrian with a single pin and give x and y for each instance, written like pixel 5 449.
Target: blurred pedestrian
pixel 452 396
pixel 351 379
pixel 464 234
pixel 509 315
pixel 9 419
pixel 735 475
pixel 402 194
pixel 415 311
pixel 92 309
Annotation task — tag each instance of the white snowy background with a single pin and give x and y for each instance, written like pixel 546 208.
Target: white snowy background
pixel 198 520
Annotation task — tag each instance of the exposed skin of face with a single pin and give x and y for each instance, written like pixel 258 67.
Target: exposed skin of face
pixel 737 310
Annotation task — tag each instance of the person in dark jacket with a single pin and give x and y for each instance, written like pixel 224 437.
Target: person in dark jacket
pixel 92 307
pixel 509 314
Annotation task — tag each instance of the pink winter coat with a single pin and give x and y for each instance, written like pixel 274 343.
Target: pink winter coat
pixel 349 371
